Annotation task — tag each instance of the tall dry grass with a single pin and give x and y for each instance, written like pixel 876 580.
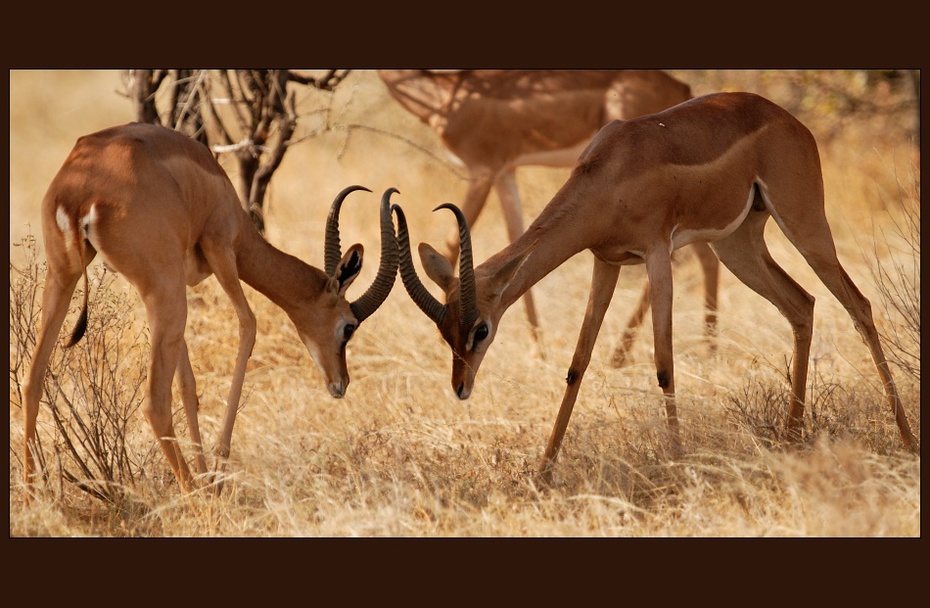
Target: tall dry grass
pixel 401 456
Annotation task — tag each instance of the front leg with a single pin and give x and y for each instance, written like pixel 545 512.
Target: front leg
pixel 223 262
pixel 603 284
pixel 659 271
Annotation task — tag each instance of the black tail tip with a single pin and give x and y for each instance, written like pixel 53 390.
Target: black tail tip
pixel 79 330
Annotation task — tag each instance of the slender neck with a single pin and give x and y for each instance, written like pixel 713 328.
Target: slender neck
pixel 555 236
pixel 281 277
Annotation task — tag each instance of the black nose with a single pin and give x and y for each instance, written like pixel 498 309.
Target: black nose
pixel 460 391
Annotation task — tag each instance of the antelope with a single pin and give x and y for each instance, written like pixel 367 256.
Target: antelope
pixel 713 169
pixel 160 211
pixel 493 121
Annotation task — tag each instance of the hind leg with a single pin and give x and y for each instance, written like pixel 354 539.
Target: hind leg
pixel 815 242
pixel 188 388
pixel 59 287
pixel 859 308
pixel 710 266
pixel 166 305
pixel 745 254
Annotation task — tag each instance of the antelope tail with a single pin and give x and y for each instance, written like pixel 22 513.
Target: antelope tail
pixel 80 327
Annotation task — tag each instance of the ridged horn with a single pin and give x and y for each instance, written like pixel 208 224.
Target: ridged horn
pixel 378 292
pixel 466 268
pixel 432 307
pixel 332 249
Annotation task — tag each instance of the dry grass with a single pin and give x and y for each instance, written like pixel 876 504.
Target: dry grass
pixel 401 456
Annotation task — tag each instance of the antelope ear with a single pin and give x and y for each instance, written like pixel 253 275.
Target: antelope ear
pixel 501 280
pixel 437 267
pixel 348 269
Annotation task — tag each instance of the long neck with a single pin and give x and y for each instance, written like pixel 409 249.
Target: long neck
pixel 281 277
pixel 558 233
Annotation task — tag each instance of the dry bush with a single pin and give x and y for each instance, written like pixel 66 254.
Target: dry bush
pixel 93 390
pixel 897 276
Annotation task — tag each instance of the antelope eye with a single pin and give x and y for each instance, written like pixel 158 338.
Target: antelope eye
pixel 348 331
pixel 481 333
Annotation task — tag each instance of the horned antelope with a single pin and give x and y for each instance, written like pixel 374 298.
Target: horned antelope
pixel 494 121
pixel 713 169
pixel 161 211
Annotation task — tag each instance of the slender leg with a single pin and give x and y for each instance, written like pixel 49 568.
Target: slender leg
pixel 167 314
pixel 59 288
pixel 806 226
pixel 188 388
pixel 859 308
pixel 223 263
pixel 710 266
pixel 506 187
pixel 820 253
pixel 659 270
pixel 602 290
pixel 745 254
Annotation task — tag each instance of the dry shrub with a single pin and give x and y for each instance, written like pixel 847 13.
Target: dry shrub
pixel 896 273
pixel 93 390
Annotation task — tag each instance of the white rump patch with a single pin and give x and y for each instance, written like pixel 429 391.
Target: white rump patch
pixel 64 225
pixel 88 222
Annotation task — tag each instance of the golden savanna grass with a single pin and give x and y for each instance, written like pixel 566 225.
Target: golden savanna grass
pixel 401 456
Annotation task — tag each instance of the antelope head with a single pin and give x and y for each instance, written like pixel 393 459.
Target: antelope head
pixel 326 342
pixel 468 320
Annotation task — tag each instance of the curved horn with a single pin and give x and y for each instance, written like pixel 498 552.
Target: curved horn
pixel 332 250
pixel 378 292
pixel 466 268
pixel 433 308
